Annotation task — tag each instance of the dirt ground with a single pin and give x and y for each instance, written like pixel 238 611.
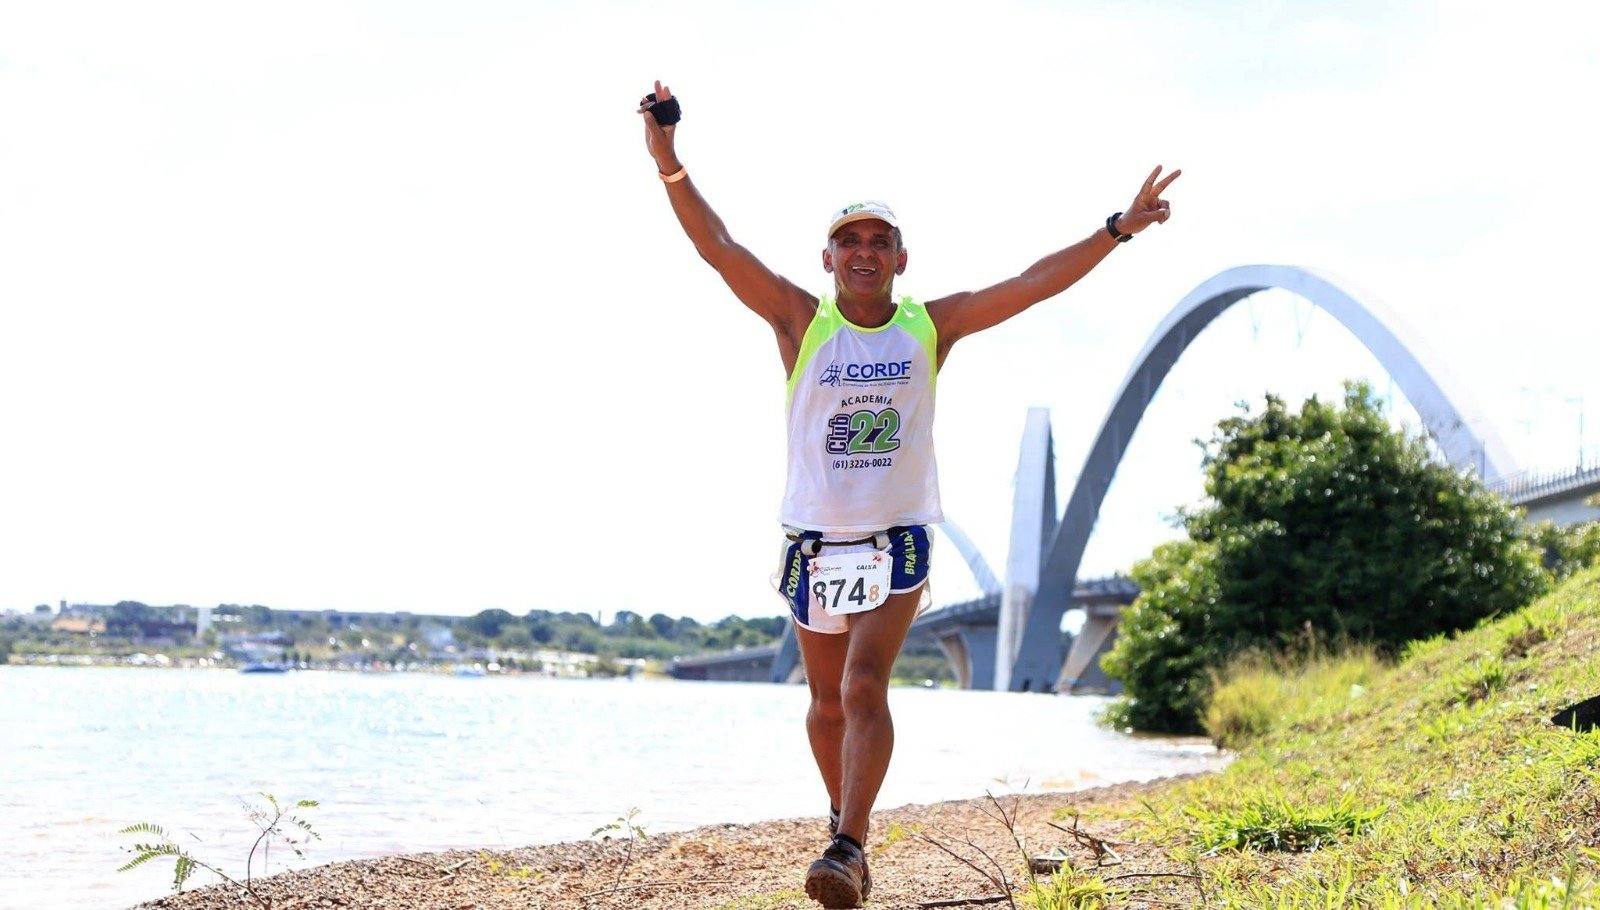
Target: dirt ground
pixel 739 867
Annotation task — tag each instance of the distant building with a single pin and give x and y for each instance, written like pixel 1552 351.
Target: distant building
pixel 437 637
pixel 80 625
pixel 565 663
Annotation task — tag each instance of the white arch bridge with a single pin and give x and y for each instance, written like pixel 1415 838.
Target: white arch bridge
pixel 1010 637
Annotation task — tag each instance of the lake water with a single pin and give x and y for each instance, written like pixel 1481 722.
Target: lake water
pixel 411 762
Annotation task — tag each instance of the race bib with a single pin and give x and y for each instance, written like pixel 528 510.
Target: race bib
pixel 850 582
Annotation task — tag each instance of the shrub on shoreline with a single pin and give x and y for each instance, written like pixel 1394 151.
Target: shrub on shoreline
pixel 1327 517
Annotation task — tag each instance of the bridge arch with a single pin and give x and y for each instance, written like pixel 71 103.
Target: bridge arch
pixel 1455 424
pixel 981 573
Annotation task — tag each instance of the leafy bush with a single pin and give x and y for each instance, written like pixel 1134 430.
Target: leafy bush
pixel 1163 651
pixel 1567 549
pixel 1328 517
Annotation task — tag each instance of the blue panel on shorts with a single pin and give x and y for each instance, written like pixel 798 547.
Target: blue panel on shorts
pixel 795 582
pixel 909 549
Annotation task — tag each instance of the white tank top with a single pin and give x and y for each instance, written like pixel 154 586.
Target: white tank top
pixel 860 414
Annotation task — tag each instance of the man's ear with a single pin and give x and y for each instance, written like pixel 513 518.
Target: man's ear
pixel 827 261
pixel 900 263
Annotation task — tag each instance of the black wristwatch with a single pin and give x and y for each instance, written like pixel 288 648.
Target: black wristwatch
pixel 1111 228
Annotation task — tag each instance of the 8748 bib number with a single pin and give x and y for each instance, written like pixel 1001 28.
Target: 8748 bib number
pixel 847 583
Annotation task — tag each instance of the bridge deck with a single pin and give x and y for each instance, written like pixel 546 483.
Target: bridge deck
pixel 739 655
pixel 1528 487
pixel 1092 594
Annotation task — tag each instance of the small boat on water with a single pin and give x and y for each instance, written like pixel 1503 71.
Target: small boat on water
pixel 262 666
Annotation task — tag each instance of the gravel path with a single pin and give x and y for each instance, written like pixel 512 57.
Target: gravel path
pixel 719 867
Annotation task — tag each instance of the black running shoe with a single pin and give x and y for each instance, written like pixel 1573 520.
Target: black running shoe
pixel 840 879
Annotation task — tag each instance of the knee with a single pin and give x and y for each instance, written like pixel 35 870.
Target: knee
pixel 827 707
pixel 865 694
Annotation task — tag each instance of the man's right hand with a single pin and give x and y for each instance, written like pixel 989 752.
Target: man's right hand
pixel 658 138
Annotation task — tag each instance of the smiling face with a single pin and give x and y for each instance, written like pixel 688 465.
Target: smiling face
pixel 864 256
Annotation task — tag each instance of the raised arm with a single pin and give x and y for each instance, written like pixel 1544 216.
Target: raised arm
pixel 774 298
pixel 960 315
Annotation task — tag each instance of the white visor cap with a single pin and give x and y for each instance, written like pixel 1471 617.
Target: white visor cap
pixel 861 211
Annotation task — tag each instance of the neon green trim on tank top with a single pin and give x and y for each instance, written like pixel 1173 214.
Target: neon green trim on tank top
pixel 913 317
pixel 909 315
pixel 824 323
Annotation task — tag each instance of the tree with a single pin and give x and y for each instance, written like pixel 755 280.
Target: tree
pixel 583 639
pixel 1329 519
pixel 126 619
pixel 629 623
pixel 5 650
pixel 488 623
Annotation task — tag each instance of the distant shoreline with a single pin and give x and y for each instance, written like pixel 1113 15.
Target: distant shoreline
pixel 451 670
pixel 121 663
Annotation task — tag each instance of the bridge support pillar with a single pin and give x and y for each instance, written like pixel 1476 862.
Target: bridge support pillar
pixel 1081 671
pixel 971 654
pixel 1039 656
pixel 786 663
pixel 955 651
pixel 1033 523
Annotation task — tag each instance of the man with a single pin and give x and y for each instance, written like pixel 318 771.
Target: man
pixel 862 485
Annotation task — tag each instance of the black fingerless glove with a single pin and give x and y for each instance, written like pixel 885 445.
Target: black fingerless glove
pixel 666 112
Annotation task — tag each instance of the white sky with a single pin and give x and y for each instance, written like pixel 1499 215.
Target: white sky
pixel 381 306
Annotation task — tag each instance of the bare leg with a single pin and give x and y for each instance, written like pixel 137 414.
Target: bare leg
pixel 874 642
pixel 824 657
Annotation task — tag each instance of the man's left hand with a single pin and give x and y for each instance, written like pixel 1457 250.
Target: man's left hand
pixel 1148 207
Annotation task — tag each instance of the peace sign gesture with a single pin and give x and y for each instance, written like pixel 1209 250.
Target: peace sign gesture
pixel 1148 207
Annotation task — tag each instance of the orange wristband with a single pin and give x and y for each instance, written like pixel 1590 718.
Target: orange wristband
pixel 681 173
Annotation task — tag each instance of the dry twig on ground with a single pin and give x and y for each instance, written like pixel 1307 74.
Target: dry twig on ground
pixel 1100 846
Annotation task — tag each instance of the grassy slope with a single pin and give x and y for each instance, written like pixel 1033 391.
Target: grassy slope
pixel 1475 798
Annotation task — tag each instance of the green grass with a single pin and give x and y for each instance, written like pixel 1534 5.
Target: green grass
pixel 1436 782
pixel 1257 691
pixel 896 833
pixel 1069 892
pixel 1277 823
pixel 786 899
